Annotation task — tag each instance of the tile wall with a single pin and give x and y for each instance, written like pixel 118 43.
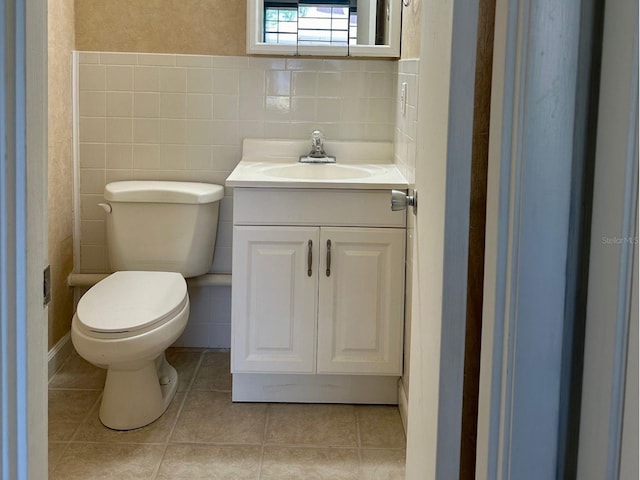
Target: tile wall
pixel 405 157
pixel 183 117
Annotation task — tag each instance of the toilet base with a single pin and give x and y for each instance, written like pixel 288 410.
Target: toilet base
pixel 135 398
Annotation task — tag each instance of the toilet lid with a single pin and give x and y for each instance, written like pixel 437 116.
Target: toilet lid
pixel 129 301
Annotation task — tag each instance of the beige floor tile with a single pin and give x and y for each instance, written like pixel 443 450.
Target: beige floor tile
pixel 380 426
pixel 88 461
pixel 67 410
pixel 56 449
pixel 191 462
pixel 382 464
pixel 214 372
pixel 287 463
pixel 92 430
pixel 185 361
pixel 307 424
pixel 76 372
pixel 211 417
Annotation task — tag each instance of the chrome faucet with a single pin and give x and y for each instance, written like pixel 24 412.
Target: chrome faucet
pixel 317 153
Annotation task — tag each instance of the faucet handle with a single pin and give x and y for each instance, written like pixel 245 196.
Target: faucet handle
pixel 317 138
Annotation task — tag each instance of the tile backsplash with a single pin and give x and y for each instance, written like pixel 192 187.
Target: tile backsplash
pixel 183 117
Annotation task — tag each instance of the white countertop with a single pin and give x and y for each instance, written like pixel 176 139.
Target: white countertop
pixel 274 163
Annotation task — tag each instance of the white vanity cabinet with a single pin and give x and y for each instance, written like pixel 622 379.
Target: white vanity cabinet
pixel 317 295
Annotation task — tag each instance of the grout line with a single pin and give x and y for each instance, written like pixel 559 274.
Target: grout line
pixel 84 420
pixel 264 439
pixel 52 467
pixel 358 439
pixel 167 441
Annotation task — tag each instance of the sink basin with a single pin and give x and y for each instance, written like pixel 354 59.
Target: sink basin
pixel 306 171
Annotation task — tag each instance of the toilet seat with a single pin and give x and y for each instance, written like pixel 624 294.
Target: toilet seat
pixel 131 302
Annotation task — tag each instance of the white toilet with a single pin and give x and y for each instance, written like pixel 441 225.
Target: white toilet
pixel 158 233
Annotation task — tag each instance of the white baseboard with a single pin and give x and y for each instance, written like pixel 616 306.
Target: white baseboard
pixel 59 353
pixel 403 404
pixel 297 388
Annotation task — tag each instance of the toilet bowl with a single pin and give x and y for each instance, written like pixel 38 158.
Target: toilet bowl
pixel 124 324
pixel 163 231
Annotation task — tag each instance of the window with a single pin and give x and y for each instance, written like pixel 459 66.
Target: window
pixel 310 22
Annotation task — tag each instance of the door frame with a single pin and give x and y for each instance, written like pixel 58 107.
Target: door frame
pixel 608 442
pixel 23 242
pixel 441 236
pixel 532 135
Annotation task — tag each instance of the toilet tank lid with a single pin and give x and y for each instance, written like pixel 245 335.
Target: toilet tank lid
pixel 162 192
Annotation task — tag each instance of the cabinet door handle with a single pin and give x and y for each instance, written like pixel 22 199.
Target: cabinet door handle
pixel 310 259
pixel 328 258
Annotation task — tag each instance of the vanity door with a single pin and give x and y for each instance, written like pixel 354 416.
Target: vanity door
pixel 274 298
pixel 361 301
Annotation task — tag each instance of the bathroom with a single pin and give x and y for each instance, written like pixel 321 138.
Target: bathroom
pixel 91 60
pixel 174 103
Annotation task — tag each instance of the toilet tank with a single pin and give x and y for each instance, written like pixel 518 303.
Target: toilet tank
pixel 162 226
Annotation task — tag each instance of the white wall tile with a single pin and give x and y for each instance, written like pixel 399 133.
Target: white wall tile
pixel 173 105
pixel 172 131
pixel 251 107
pixel 92 77
pixel 173 157
pixel 225 107
pixel 92 103
pixel 203 61
pixel 199 80
pixel 277 109
pixel 303 109
pixel 118 175
pixel 146 104
pixel 146 79
pixel 92 181
pixel 119 130
pixel 88 57
pixel 156 59
pixel 119 77
pixel 329 84
pixel 226 81
pixel 173 79
pixel 93 258
pixel 118 156
pixel 92 129
pixel 89 208
pixel 225 133
pixel 278 82
pixel 198 132
pixel 198 157
pixel 304 83
pixel 93 232
pixel 328 109
pixel 199 106
pixel 92 155
pixel 146 130
pixel 118 58
pixel 119 104
pixel 231 62
pixel 145 157
pixel 251 82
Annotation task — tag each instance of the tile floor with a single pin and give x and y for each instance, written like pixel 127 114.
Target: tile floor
pixel 203 435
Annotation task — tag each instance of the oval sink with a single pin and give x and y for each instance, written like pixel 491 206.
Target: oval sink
pixel 311 171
